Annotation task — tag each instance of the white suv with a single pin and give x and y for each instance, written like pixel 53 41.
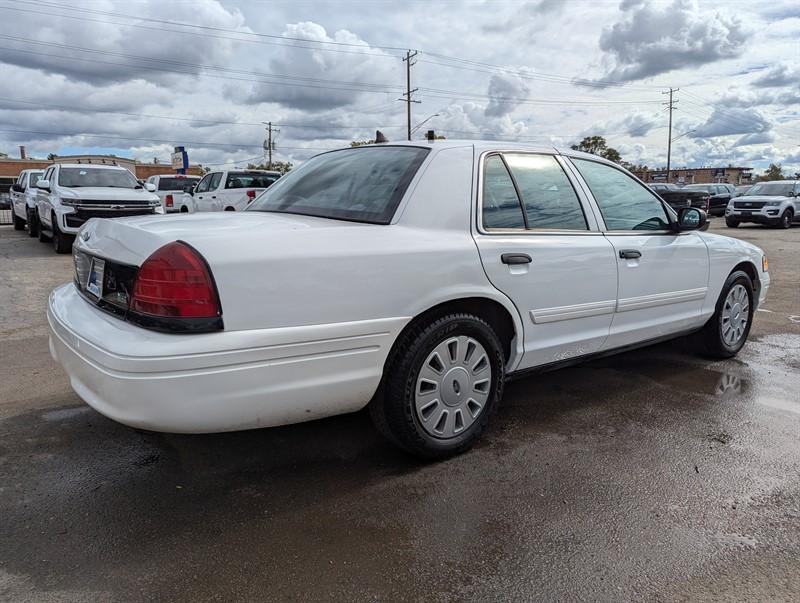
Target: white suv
pixel 170 189
pixel 774 203
pixel 230 190
pixel 23 200
pixel 70 194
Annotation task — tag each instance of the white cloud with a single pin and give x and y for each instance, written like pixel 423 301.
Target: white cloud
pixel 657 38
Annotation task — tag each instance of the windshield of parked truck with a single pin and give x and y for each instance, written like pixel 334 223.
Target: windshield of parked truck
pixel 81 177
pixel 175 184
pixel 361 184
pixel 771 189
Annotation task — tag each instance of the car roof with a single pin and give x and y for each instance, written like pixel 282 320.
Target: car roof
pixel 175 176
pixel 485 146
pixel 93 165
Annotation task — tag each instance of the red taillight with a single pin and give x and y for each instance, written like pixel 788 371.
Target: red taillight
pixel 168 200
pixel 251 195
pixel 175 282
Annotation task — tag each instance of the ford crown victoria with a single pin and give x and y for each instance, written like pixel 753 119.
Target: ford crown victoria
pixel 415 278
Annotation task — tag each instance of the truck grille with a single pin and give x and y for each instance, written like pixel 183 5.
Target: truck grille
pixel 748 204
pixel 83 214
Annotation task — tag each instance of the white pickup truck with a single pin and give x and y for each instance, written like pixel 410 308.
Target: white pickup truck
pixel 228 190
pixel 170 189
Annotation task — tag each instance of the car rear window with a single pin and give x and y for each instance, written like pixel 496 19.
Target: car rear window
pixel 361 184
pixel 247 180
pixel 174 184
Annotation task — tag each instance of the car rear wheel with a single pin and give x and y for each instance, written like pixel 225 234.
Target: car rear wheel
pixel 731 223
pixel 726 331
pixel 443 382
pixel 62 243
pixel 19 223
pixel 33 223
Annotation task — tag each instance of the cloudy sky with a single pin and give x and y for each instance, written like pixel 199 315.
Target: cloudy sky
pixel 136 77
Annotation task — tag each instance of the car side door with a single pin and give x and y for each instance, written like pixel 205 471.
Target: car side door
pixel 214 195
pixel 17 197
pixel 540 245
pixel 43 202
pixel 200 192
pixel 662 275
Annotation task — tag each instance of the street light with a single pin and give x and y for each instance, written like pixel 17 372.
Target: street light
pixel 420 124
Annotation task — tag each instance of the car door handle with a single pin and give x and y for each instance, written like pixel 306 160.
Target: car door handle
pixel 213 196
pixel 629 254
pixel 515 258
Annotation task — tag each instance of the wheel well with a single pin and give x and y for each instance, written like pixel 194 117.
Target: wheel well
pixel 489 310
pixel 229 208
pixel 751 271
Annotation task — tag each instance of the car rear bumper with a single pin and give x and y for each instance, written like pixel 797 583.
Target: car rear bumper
pixel 213 382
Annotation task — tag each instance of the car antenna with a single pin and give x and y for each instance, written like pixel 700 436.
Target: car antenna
pixel 379 137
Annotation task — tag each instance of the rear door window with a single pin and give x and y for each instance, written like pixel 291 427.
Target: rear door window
pixel 501 205
pixel 549 200
pixel 174 184
pixel 249 180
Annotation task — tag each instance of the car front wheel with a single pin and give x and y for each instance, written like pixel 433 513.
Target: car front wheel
pixel 731 223
pixel 785 220
pixel 726 331
pixel 442 384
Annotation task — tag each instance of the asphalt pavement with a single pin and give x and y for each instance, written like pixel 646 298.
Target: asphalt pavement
pixel 651 475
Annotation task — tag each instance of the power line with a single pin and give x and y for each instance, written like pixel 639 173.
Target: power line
pixel 84 18
pixel 188 119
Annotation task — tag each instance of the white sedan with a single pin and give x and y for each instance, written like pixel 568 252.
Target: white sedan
pixel 415 278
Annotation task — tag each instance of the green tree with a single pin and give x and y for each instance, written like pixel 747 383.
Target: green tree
pixel 596 145
pixel 361 143
pixel 51 156
pixel 773 172
pixel 277 166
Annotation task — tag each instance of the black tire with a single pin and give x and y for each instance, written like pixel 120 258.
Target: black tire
pixel 230 208
pixel 33 223
pixel 19 223
pixel 393 409
pixel 62 243
pixel 184 209
pixel 730 223
pixel 786 218
pixel 710 337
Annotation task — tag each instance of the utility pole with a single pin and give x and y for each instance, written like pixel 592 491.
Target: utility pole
pixel 671 106
pixel 269 144
pixel 407 94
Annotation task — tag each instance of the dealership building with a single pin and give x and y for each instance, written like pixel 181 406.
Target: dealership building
pixel 703 175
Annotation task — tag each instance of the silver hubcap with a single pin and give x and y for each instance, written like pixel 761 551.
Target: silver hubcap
pixel 735 314
pixel 453 386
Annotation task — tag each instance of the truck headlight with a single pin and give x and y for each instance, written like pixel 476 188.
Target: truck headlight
pixel 772 203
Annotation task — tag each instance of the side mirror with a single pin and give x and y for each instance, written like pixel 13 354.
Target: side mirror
pixel 44 185
pixel 691 218
pixel 17 188
pixel 149 187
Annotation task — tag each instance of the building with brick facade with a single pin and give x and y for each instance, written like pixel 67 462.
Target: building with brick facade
pixel 703 175
pixel 10 168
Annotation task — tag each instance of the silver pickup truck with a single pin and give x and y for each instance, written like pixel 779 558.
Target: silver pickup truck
pixel 773 203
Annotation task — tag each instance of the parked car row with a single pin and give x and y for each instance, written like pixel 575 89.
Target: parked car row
pixel 444 269
pixel 54 203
